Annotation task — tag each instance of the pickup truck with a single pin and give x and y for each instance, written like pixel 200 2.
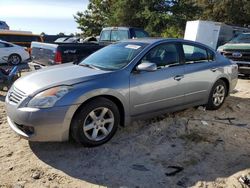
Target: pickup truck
pixel 238 50
pixel 46 54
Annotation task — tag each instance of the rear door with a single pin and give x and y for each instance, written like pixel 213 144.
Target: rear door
pixel 161 89
pixel 200 72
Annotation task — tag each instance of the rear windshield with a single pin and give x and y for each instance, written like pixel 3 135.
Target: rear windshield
pixel 114 57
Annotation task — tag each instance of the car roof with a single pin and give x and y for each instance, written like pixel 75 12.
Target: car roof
pixel 151 40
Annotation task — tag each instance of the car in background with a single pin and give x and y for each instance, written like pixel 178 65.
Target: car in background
pixel 3 25
pixel 12 54
pixel 238 50
pixel 117 84
pixel 63 51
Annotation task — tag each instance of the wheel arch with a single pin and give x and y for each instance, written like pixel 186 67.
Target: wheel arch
pixel 112 98
pixel 226 81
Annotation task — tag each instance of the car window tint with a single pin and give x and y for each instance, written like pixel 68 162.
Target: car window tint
pixel 163 55
pixel 194 54
pixel 105 36
pixel 117 35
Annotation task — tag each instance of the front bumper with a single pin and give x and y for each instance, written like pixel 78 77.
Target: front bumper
pixel 46 125
pixel 243 67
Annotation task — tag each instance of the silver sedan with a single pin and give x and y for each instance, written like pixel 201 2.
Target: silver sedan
pixel 117 84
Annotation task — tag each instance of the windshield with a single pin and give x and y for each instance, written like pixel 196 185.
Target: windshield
pixel 114 57
pixel 242 38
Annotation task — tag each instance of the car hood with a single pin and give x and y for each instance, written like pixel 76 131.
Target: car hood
pixel 236 46
pixel 67 74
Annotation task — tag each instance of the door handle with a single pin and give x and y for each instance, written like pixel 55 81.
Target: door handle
pixel 178 77
pixel 214 69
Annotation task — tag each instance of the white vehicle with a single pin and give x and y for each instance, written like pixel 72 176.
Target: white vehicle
pixel 12 53
pixel 213 34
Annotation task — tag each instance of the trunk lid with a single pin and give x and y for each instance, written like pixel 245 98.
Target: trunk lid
pixel 44 53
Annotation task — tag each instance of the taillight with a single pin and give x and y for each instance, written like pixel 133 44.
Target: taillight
pixel 58 57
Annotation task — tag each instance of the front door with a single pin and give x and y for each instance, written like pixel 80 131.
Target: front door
pixel 160 89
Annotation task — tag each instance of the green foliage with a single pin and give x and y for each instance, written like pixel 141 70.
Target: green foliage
pixel 165 18
pixel 236 12
pixel 94 18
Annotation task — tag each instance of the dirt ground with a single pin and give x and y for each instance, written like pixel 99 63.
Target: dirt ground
pixel 211 149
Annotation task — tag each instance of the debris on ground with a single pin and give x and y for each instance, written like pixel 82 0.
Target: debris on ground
pixel 245 180
pixel 174 170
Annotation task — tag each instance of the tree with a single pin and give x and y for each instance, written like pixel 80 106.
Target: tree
pixel 158 17
pixel 94 18
pixel 236 12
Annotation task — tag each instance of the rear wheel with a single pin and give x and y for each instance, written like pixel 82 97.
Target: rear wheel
pixel 14 59
pixel 217 95
pixel 96 123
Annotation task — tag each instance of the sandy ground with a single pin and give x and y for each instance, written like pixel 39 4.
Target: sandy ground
pixel 212 149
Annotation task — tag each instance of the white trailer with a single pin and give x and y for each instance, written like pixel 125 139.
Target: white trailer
pixel 213 34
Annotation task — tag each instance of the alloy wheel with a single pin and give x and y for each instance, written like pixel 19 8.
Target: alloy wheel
pixel 219 95
pixel 98 124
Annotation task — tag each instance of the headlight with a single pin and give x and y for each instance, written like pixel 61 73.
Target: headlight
pixel 48 98
pixel 220 49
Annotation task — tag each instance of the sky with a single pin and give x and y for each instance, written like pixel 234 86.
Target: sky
pixel 49 16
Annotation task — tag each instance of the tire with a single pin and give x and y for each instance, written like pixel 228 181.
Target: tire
pixel 217 95
pixel 95 123
pixel 14 59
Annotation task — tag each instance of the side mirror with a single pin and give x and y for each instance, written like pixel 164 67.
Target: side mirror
pixel 146 66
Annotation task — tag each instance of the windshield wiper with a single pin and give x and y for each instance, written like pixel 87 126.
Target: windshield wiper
pixel 89 66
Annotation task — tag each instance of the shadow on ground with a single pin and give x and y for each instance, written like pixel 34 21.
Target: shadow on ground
pixel 139 155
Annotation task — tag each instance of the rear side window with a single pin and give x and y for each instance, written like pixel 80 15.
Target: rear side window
pixel 117 35
pixel 105 36
pixel 194 54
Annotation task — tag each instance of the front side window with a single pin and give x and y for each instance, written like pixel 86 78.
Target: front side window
pixel 194 54
pixel 163 55
pixel 114 57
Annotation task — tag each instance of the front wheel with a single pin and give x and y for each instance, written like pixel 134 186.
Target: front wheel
pixel 217 95
pixel 96 122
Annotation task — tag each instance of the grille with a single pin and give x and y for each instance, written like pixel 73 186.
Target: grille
pixel 16 96
pixel 245 55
